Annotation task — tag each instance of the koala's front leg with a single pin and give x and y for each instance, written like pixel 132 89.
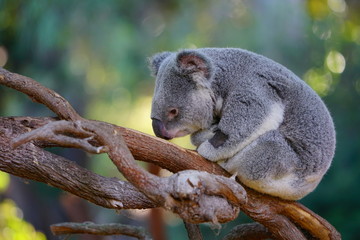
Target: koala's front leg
pixel 211 147
pixel 245 117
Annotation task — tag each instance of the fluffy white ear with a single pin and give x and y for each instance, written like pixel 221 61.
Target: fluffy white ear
pixel 192 62
pixel 156 60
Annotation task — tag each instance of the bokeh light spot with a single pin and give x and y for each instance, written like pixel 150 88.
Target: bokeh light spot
pixel 338 6
pixel 335 62
pixel 357 86
pixel 318 9
pixel 3 56
pixel 355 34
pixel 13 227
pixel 96 76
pixel 4 181
pixel 319 80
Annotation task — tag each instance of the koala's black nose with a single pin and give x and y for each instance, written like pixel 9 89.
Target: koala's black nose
pixel 159 129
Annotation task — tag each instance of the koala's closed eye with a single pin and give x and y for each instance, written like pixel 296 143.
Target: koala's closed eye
pixel 218 139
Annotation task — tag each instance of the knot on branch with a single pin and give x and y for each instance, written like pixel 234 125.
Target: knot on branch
pixel 202 197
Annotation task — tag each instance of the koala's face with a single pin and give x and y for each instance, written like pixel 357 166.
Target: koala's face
pixel 182 102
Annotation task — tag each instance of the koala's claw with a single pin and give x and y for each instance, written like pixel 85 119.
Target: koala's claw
pixel 218 139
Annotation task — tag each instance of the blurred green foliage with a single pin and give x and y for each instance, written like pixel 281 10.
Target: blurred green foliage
pixel 4 181
pixel 94 53
pixel 12 226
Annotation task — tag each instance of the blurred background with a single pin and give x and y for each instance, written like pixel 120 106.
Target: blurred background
pixel 94 54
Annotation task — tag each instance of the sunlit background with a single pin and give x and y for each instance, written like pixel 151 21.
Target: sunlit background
pixel 94 54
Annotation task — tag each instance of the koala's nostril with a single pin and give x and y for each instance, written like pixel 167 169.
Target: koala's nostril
pixel 173 112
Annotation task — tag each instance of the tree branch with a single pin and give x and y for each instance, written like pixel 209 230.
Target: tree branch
pixel 31 162
pixel 100 229
pixel 250 231
pixel 39 94
pixel 280 217
pixel 196 196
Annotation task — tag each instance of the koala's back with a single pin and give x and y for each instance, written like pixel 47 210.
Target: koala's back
pixel 307 125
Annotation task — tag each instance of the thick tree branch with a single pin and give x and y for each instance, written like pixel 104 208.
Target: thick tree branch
pixel 280 217
pixel 196 196
pixel 31 162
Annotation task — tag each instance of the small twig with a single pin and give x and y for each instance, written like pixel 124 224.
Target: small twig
pixel 250 231
pixel 100 229
pixel 54 132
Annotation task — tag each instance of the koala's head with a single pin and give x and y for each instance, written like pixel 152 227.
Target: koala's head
pixel 183 101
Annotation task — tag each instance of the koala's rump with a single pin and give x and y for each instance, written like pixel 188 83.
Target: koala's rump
pixel 309 130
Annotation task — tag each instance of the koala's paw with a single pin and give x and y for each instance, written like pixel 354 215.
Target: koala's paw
pixel 217 148
pixel 208 151
pixel 201 136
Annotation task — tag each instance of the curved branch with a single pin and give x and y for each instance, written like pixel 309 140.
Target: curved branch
pixel 39 94
pixel 310 221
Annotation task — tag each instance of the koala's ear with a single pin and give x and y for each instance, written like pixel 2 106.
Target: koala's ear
pixel 156 60
pixel 189 62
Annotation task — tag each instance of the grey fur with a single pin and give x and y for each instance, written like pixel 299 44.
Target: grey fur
pixel 248 113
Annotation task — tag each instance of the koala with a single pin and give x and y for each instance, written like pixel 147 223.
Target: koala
pixel 249 114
